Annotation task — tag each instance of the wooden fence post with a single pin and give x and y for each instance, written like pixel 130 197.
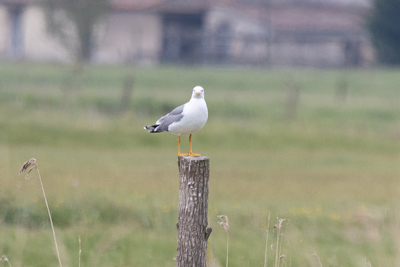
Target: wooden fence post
pixel 193 207
pixel 127 91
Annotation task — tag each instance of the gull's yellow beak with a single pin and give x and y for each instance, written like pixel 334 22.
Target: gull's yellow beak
pixel 197 93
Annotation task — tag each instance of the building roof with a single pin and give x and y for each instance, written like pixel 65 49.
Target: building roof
pixel 167 6
pixel 16 2
pixel 134 5
pixel 291 16
pixel 286 16
pixel 305 17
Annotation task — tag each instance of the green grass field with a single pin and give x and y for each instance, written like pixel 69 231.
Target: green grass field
pixel 330 166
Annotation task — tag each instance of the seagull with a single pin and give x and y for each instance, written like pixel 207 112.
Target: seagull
pixel 188 118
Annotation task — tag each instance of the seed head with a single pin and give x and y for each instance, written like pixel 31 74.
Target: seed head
pixel 30 164
pixel 224 222
pixel 280 223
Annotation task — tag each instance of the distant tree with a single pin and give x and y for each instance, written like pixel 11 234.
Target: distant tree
pixel 73 23
pixel 384 27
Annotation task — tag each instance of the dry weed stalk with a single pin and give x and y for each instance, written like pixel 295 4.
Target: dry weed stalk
pixel 315 254
pixel 367 263
pixel 28 167
pixel 80 251
pixel 266 243
pixel 225 223
pixel 278 248
pixel 5 259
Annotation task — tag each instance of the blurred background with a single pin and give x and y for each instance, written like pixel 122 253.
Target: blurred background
pixel 304 125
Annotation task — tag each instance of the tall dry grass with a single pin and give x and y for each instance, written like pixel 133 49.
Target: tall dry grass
pixel 28 167
pixel 5 259
pixel 277 245
pixel 225 223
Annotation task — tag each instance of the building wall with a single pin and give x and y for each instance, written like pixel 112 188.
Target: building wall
pixel 39 45
pixel 3 31
pixel 229 37
pixel 327 54
pixel 122 38
pixel 249 39
pixel 130 38
pixel 244 40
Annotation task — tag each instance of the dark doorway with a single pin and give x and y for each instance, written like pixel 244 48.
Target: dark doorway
pixel 223 42
pixel 352 53
pixel 182 38
pixel 15 30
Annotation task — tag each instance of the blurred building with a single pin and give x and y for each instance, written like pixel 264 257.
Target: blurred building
pixel 254 32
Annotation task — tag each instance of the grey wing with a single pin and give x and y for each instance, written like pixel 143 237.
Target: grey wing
pixel 167 120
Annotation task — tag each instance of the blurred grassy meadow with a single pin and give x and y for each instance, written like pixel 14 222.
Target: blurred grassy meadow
pixel 319 148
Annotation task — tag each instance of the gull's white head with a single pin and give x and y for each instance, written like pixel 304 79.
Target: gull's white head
pixel 198 92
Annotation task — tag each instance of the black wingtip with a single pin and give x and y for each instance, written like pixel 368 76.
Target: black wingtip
pixel 153 131
pixel 152 128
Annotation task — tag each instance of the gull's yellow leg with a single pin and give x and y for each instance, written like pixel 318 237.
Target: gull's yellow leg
pixel 179 148
pixel 190 148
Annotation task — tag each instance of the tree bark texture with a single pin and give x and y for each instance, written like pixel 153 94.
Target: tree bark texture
pixel 193 207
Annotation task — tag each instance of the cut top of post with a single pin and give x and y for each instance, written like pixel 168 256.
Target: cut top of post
pixel 195 158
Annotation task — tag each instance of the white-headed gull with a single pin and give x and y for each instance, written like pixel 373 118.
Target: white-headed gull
pixel 185 119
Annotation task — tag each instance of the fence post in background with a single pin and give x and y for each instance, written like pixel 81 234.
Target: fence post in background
pixel 193 207
pixel 342 87
pixel 127 91
pixel 292 101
